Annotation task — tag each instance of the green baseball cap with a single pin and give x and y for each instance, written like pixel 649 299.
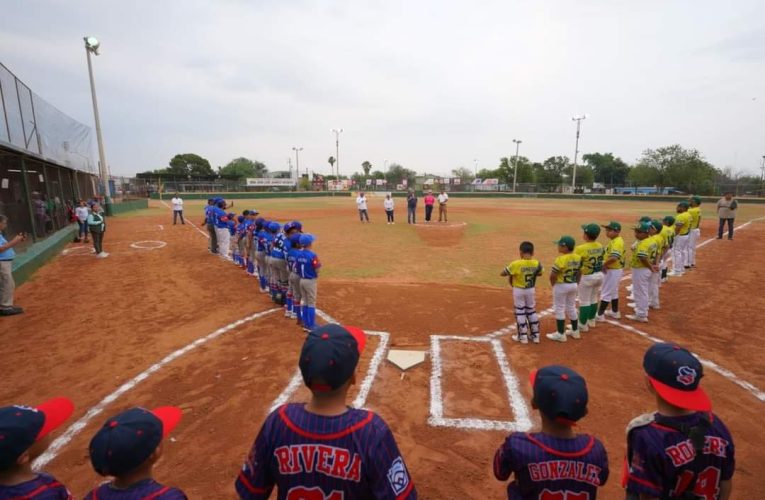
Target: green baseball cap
pixel 645 218
pixel 696 199
pixel 566 241
pixel 669 220
pixel 657 224
pixel 642 227
pixel 591 229
pixel 683 204
pixel 613 225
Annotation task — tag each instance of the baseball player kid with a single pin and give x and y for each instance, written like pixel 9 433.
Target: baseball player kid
pixel 237 235
pixel 260 240
pixel 126 448
pixel 279 263
pixel 556 463
pixel 209 222
pixel 220 218
pixel 564 278
pixel 682 240
pixel 290 229
pixel 613 269
pixel 324 448
pixel 682 450
pixel 308 269
pixel 668 232
pixel 24 436
pixel 294 279
pixel 592 276
pixel 643 266
pixel 695 235
pixel 270 234
pixel 523 274
pixel 661 251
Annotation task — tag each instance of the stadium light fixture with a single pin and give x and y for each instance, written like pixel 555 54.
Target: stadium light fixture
pixel 337 132
pixel 297 160
pixel 515 174
pixel 91 47
pixel 578 120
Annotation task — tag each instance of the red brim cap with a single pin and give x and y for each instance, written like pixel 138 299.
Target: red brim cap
pixel 696 400
pixel 359 335
pixel 56 411
pixel 169 416
pixel 533 377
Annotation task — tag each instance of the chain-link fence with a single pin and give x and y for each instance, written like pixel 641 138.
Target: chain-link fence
pixel 127 188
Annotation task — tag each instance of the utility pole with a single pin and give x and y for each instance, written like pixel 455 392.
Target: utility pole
pixel 297 151
pixel 578 120
pixel 515 174
pixel 337 132
pixel 91 46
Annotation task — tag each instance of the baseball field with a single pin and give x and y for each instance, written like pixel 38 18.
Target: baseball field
pixel 163 322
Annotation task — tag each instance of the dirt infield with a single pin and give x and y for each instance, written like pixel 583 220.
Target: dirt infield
pixel 92 325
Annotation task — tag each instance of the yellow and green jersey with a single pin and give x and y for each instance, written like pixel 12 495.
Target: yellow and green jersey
pixel 592 257
pixel 668 232
pixel 684 221
pixel 615 248
pixel 659 239
pixel 523 272
pixel 567 266
pixel 695 217
pixel 645 248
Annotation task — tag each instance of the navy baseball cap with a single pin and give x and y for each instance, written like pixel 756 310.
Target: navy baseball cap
pixel 329 356
pixel 294 239
pixel 296 224
pixel 287 227
pixel 253 212
pixel 240 218
pixel 23 426
pixel 127 440
pixel 560 393
pixel 306 239
pixel 675 373
pixel 274 226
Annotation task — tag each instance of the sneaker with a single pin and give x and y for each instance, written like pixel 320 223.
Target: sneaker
pixel 523 339
pixel 592 323
pixel 632 305
pixel 574 334
pixel 600 318
pixel 656 308
pixel 630 297
pixel 664 280
pixel 11 311
pixel 535 338
pixel 614 315
pixel 102 255
pixel 629 288
pixel 635 317
pixel 583 328
pixel 675 273
pixel 558 337
pixel 264 290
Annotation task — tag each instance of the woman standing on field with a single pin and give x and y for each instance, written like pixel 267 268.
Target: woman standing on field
pixel 97 227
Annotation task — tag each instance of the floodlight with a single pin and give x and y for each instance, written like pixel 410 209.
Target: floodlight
pixel 92 44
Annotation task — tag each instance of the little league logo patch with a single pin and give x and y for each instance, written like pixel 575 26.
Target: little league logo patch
pixel 686 375
pixel 398 477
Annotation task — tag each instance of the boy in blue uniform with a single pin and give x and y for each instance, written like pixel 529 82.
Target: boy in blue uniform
pixel 324 449
pixel 236 227
pixel 275 259
pixel 308 269
pixel 260 252
pixel 210 223
pixel 220 220
pixel 556 462
pixel 294 279
pixel 290 229
pixel 24 435
pixel 126 448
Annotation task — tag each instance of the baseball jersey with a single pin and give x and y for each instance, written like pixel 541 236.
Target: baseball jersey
pixel 292 255
pixel 220 218
pixel 524 272
pixel 147 489
pixel 615 248
pixel 233 227
pixel 353 455
pixel 660 460
pixel 592 257
pixel 684 221
pixel 263 237
pixel 659 239
pixel 567 266
pixel 545 467
pixel 277 249
pixel 668 232
pixel 208 214
pixel 43 487
pixel 695 217
pixel 645 248
pixel 307 264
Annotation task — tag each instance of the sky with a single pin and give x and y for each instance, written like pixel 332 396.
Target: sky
pixel 430 84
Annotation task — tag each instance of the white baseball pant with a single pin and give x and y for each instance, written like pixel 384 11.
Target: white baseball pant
pixel 526 310
pixel 224 241
pixel 680 253
pixel 695 237
pixel 611 280
pixel 641 282
pixel 653 289
pixel 564 301
pixel 589 289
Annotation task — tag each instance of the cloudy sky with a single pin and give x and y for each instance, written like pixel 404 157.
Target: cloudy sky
pixel 432 85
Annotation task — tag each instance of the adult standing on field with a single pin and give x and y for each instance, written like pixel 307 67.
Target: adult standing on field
pixel 411 207
pixel 81 214
pixel 97 227
pixel 389 205
pixel 210 223
pixel 430 200
pixel 443 198
pixel 177 202
pixel 361 204
pixel 726 211
pixel 7 285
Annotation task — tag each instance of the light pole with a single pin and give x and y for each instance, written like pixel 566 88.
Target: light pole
pixel 578 120
pixel 91 46
pixel 515 173
pixel 762 178
pixel 337 132
pixel 297 160
pixel 475 168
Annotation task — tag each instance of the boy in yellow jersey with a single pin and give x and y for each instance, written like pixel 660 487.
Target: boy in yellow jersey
pixel 613 269
pixel 653 290
pixel 682 239
pixel 695 211
pixel 591 253
pixel 564 279
pixel 643 265
pixel 523 275
pixel 668 232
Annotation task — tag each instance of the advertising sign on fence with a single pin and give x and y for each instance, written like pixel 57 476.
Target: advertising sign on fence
pixel 380 182
pixel 269 182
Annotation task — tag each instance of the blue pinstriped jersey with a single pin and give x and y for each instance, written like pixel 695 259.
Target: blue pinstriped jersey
pixel 544 467
pixel 148 489
pixel 303 455
pixel 43 487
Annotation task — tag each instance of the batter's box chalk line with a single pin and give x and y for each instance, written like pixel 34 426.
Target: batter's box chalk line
pixel 58 444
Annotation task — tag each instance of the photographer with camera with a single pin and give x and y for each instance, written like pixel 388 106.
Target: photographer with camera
pixel 7 285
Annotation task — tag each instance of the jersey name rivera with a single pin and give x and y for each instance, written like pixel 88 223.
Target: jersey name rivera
pixel 327 460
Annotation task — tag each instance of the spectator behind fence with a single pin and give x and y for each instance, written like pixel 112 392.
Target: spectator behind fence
pixel 97 227
pixel 82 212
pixel 726 211
pixel 7 285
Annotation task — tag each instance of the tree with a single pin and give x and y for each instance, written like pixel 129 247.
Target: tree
pixel 367 167
pixel 584 174
pixel 550 173
pixel 190 164
pixel 525 170
pixel 607 169
pixel 684 169
pixel 331 162
pixel 644 175
pixel 239 168
pixel 465 174
pixel 396 174
pixel 378 175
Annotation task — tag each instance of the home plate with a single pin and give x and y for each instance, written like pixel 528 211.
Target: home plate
pixel 406 359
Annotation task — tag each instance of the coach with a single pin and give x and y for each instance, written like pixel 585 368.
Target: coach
pixel 443 198
pixel 411 207
pixel 177 202
pixel 726 211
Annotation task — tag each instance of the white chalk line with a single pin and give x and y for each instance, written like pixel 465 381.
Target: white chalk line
pixel 74 429
pixel 203 233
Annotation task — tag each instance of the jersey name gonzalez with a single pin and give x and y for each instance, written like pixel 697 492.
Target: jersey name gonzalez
pixel 565 469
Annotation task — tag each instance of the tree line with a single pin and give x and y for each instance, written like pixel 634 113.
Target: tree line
pixel 190 165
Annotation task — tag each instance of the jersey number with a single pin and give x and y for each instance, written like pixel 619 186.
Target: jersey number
pixel 707 483
pixel 315 493
pixel 596 263
pixel 570 275
pixel 564 495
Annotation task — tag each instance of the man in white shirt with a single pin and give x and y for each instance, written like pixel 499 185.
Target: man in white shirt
pixel 82 213
pixel 177 202
pixel 442 199
pixel 361 204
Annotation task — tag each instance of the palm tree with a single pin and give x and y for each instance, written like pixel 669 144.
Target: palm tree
pixel 367 167
pixel 331 162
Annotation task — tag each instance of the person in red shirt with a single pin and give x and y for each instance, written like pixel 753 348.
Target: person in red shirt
pixel 430 200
